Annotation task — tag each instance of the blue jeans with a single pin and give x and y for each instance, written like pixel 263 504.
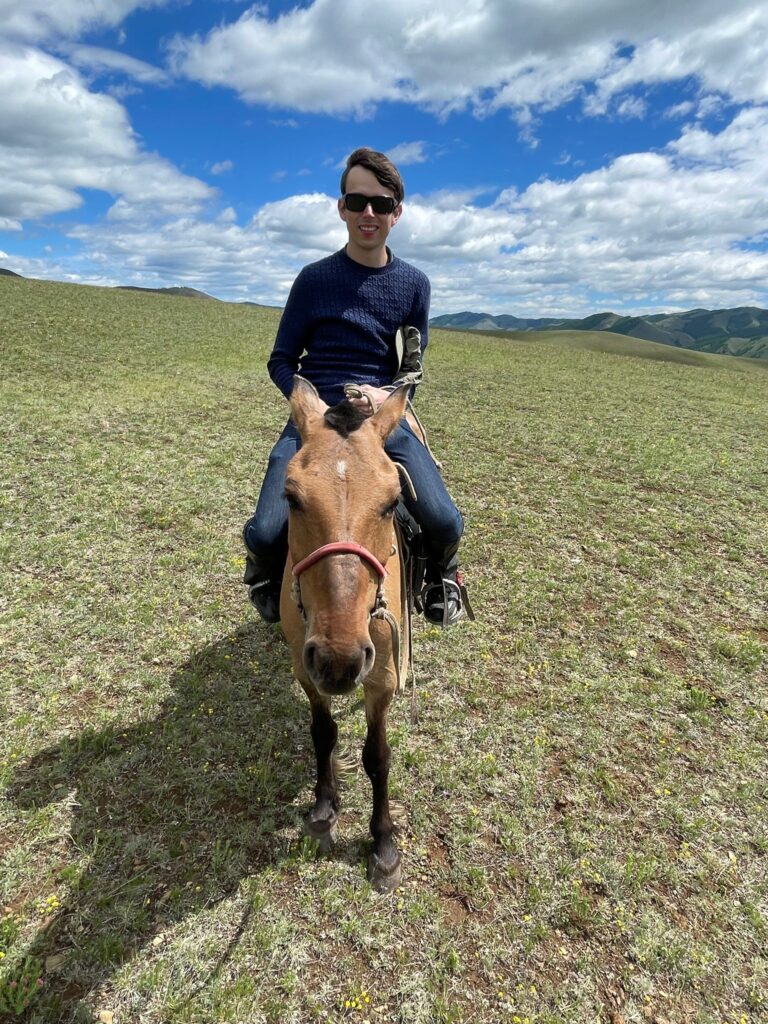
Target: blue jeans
pixel 266 532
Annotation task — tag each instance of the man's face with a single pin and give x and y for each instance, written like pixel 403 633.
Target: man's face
pixel 367 230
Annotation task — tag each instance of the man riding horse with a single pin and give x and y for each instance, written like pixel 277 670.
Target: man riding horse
pixel 356 324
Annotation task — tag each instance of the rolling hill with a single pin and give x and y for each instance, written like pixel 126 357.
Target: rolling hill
pixel 742 331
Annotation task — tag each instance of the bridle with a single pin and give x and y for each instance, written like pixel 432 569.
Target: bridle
pixel 339 547
pixel 379 610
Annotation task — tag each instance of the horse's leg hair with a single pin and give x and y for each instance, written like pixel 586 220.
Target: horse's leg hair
pixel 321 820
pixel 384 861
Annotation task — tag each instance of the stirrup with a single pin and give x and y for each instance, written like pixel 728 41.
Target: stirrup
pixel 265 598
pixel 455 604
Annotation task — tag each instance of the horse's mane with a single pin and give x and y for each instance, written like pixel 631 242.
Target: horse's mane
pixel 344 418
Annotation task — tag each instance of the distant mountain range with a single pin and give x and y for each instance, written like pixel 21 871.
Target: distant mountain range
pixel 742 331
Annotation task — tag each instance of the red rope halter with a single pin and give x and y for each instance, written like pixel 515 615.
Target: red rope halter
pixel 340 547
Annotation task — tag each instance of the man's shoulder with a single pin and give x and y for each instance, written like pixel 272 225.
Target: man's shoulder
pixel 407 270
pixel 328 264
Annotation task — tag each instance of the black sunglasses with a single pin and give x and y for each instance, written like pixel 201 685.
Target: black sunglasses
pixel 356 202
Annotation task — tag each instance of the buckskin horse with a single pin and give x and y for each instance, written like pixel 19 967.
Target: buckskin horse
pixel 342 608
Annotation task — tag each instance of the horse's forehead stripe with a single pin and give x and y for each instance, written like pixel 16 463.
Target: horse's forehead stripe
pixel 341 469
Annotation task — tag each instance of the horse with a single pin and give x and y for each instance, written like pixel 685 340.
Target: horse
pixel 342 604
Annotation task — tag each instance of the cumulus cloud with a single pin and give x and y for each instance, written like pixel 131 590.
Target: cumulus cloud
pixel 57 138
pixel 676 228
pixel 408 153
pixel 684 225
pixel 41 20
pixel 485 56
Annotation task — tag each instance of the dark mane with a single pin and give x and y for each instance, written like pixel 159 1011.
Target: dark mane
pixel 344 418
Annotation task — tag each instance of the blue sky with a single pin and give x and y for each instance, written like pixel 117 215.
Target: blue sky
pixel 560 157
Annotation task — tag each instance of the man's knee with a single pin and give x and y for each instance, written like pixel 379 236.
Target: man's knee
pixel 264 536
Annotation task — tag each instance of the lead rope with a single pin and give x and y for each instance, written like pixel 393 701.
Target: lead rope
pixel 406 594
pixel 381 611
pixel 424 440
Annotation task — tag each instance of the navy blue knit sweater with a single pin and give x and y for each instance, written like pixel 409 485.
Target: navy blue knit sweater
pixel 340 320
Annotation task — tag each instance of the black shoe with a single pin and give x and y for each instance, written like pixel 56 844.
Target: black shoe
pixel 265 598
pixel 446 603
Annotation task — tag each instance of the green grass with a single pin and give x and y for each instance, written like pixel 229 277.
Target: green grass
pixel 584 796
pixel 622 345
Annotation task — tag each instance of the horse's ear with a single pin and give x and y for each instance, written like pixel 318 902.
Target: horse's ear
pixel 390 412
pixel 307 407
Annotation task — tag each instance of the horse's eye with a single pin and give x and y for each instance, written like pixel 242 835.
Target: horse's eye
pixel 389 511
pixel 293 502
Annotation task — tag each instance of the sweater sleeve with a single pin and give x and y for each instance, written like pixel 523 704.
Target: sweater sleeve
pixel 291 337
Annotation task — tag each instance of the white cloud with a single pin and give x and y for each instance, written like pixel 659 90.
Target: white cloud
pixel 681 226
pixel 331 57
pixel 39 20
pixel 408 153
pixel 724 48
pixel 98 60
pixel 58 138
pixel 656 230
pixel 680 110
pixel 309 224
pixel 631 107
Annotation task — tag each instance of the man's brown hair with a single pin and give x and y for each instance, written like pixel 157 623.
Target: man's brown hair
pixel 386 172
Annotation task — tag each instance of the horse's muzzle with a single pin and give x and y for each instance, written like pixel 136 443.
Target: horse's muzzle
pixel 334 670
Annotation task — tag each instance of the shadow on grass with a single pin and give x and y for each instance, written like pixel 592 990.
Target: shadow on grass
pixel 169 815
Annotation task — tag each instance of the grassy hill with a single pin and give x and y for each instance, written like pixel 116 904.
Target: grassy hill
pixel 187 293
pixel 742 331
pixel 584 796
pixel 634 348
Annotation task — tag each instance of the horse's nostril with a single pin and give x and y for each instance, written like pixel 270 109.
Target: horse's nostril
pixel 310 651
pixel 369 656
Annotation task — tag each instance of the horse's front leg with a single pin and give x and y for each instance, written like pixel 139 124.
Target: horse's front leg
pixel 384 860
pixel 320 823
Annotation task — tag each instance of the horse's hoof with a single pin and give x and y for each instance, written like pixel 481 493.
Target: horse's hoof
pixel 383 879
pixel 323 832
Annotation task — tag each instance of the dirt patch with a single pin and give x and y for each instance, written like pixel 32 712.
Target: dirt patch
pixel 674 660
pixel 456 907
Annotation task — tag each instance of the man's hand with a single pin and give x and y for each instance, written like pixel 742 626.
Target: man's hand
pixel 371 398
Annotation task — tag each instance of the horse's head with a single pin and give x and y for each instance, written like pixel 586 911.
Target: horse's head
pixel 341 487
